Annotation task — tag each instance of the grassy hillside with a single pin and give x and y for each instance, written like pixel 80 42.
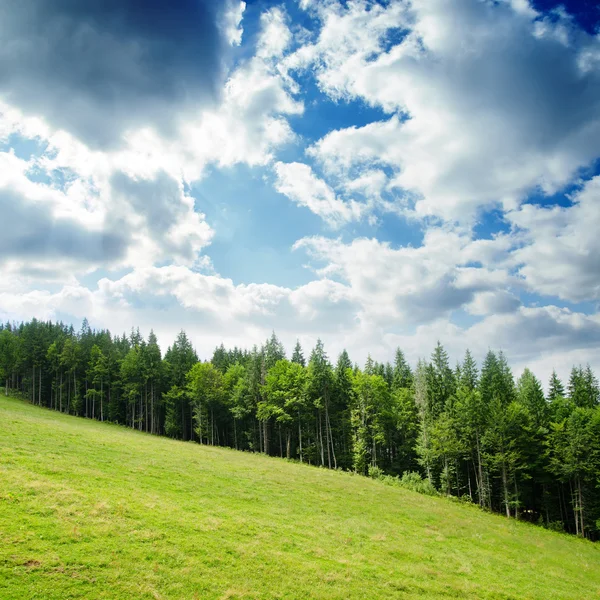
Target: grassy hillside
pixel 91 510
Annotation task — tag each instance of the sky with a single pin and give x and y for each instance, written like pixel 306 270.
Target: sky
pixel 373 173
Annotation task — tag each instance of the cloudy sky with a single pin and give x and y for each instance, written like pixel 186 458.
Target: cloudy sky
pixel 376 173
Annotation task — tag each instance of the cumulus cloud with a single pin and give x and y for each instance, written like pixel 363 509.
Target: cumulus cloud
pixel 298 182
pixel 487 100
pixel 543 338
pixel 47 228
pixel 214 309
pixel 405 286
pixel 560 251
pixel 480 102
pixel 493 302
pixel 83 225
pixel 100 69
pixel 247 125
pixel 159 209
pixel 33 232
pixel 211 308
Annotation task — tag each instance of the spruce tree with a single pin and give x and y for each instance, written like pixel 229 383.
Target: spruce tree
pixel 298 355
pixel 555 387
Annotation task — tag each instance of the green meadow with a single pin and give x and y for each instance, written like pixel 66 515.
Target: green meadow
pixel 92 510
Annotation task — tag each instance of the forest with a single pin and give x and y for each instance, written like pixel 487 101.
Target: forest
pixel 465 431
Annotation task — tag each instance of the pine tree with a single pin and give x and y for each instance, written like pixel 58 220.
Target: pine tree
pixel 154 376
pixel 298 355
pixel 402 374
pixel 583 387
pixel 468 372
pixel 441 384
pixel 426 417
pixel 319 389
pixel 274 351
pixel 555 387
pixel 531 395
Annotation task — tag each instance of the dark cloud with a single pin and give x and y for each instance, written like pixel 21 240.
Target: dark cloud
pixel 97 68
pixel 158 199
pixel 31 231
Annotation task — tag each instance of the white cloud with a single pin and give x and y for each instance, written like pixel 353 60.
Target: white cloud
pixel 301 185
pixel 275 36
pixel 90 224
pixel 233 23
pixel 246 126
pixel 133 196
pixel 405 286
pixel 496 302
pixel 483 101
pixel 560 252
pixel 486 104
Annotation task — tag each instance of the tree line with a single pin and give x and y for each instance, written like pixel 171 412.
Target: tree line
pixel 469 432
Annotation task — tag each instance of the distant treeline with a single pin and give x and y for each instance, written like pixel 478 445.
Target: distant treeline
pixel 475 434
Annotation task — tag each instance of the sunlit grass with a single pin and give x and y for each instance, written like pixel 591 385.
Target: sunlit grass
pixel 91 510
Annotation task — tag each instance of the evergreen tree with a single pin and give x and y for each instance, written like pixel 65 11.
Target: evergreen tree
pixel 274 351
pixel 505 446
pixel 531 395
pixel 441 384
pixel 319 389
pixel 298 355
pixel 555 387
pixel 468 373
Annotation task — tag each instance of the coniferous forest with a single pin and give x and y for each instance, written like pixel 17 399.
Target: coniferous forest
pixel 468 431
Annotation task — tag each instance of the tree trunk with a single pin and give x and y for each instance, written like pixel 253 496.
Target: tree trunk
pixel 505 487
pixel 152 407
pixel 332 447
pixel 288 445
pixel 321 441
pixel 574 502
pixel 481 491
pixel 327 432
pixel 146 406
pixel 200 421
pixel 516 498
pixel 266 436
pixel 40 386
pixel 580 506
pixel 212 427
pixel 469 481
pixel 300 434
pixel 280 443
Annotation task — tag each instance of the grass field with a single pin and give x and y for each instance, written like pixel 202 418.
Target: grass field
pixel 91 510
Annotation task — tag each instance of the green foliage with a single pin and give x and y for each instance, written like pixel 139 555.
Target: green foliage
pixel 469 434
pixel 91 510
pixel 369 413
pixel 555 387
pixel 414 482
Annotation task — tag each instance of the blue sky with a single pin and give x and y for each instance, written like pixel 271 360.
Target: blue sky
pixel 374 173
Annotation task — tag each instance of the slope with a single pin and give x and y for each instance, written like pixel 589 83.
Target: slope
pixel 92 510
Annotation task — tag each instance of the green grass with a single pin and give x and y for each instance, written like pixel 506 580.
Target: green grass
pixel 91 510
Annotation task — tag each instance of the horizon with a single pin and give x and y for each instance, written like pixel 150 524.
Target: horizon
pixel 373 174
